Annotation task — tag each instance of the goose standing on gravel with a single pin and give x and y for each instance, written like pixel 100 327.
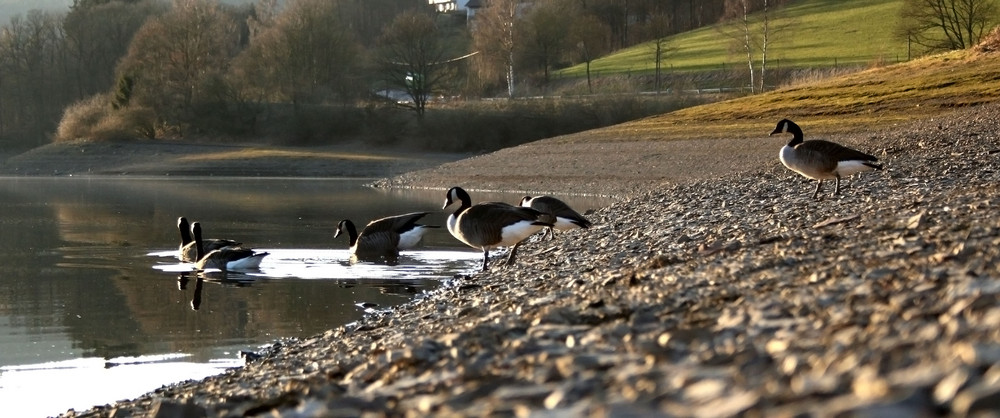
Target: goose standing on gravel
pixel 566 217
pixel 385 237
pixel 225 258
pixel 489 225
pixel 818 159
pixel 188 250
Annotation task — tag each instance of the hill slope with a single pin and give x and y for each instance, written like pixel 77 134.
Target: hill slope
pixel 813 33
pixel 712 140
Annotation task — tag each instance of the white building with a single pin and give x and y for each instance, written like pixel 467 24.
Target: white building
pixel 467 6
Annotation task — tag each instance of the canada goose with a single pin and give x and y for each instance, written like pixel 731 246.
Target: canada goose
pixel 188 252
pixel 489 225
pixel 225 258
pixel 566 217
pixel 387 236
pixel 818 159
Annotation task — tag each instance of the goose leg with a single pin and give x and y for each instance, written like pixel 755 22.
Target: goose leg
pixel 816 193
pixel 512 255
pixel 550 233
pixel 486 257
pixel 836 191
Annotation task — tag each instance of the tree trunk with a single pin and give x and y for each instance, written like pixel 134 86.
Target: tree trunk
pixel 748 43
pixel 763 48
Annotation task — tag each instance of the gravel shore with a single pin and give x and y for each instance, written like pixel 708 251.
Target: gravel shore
pixel 731 295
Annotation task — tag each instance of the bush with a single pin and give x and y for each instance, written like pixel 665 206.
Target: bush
pixel 990 42
pixel 95 119
pixel 80 117
pixel 491 125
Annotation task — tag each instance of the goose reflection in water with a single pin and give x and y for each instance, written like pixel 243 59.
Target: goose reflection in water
pixel 221 278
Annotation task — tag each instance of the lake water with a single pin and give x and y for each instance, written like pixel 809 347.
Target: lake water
pixel 94 307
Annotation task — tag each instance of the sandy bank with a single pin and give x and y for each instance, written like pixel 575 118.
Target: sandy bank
pixel 171 158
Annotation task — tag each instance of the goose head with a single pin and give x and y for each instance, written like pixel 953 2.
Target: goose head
pixel 787 126
pixel 348 227
pixel 457 194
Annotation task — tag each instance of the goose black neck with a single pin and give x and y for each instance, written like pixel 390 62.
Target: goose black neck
pixel 352 232
pixel 199 251
pixel 464 199
pixel 796 138
pixel 182 225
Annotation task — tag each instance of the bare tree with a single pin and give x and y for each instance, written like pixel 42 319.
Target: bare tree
pixel 98 35
pixel 589 35
pixel 547 26
pixel 947 24
pixel 311 55
pixel 495 36
pixel 413 57
pixel 33 68
pixel 177 57
pixel 752 30
pixel 659 28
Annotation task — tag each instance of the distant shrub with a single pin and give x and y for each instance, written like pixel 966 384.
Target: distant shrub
pixel 95 119
pixel 990 42
pixel 80 117
pixel 490 125
pixel 802 76
pixel 309 125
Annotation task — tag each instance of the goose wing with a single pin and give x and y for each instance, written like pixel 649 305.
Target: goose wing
pixel 495 216
pixel 833 151
pixel 189 252
pixel 398 224
pixel 222 258
pixel 558 208
pixel 377 243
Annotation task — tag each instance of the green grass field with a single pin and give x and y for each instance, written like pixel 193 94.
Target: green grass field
pixel 812 33
pixel 922 88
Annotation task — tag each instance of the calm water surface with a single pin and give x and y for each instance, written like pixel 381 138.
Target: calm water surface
pixel 94 307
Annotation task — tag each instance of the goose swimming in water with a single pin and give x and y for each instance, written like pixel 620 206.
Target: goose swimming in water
pixel 225 258
pixel 188 251
pixel 385 237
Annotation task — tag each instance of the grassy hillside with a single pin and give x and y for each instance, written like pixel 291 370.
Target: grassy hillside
pixel 813 33
pixel 921 88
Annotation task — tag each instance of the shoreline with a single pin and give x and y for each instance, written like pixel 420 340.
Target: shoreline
pixel 172 158
pixel 725 295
